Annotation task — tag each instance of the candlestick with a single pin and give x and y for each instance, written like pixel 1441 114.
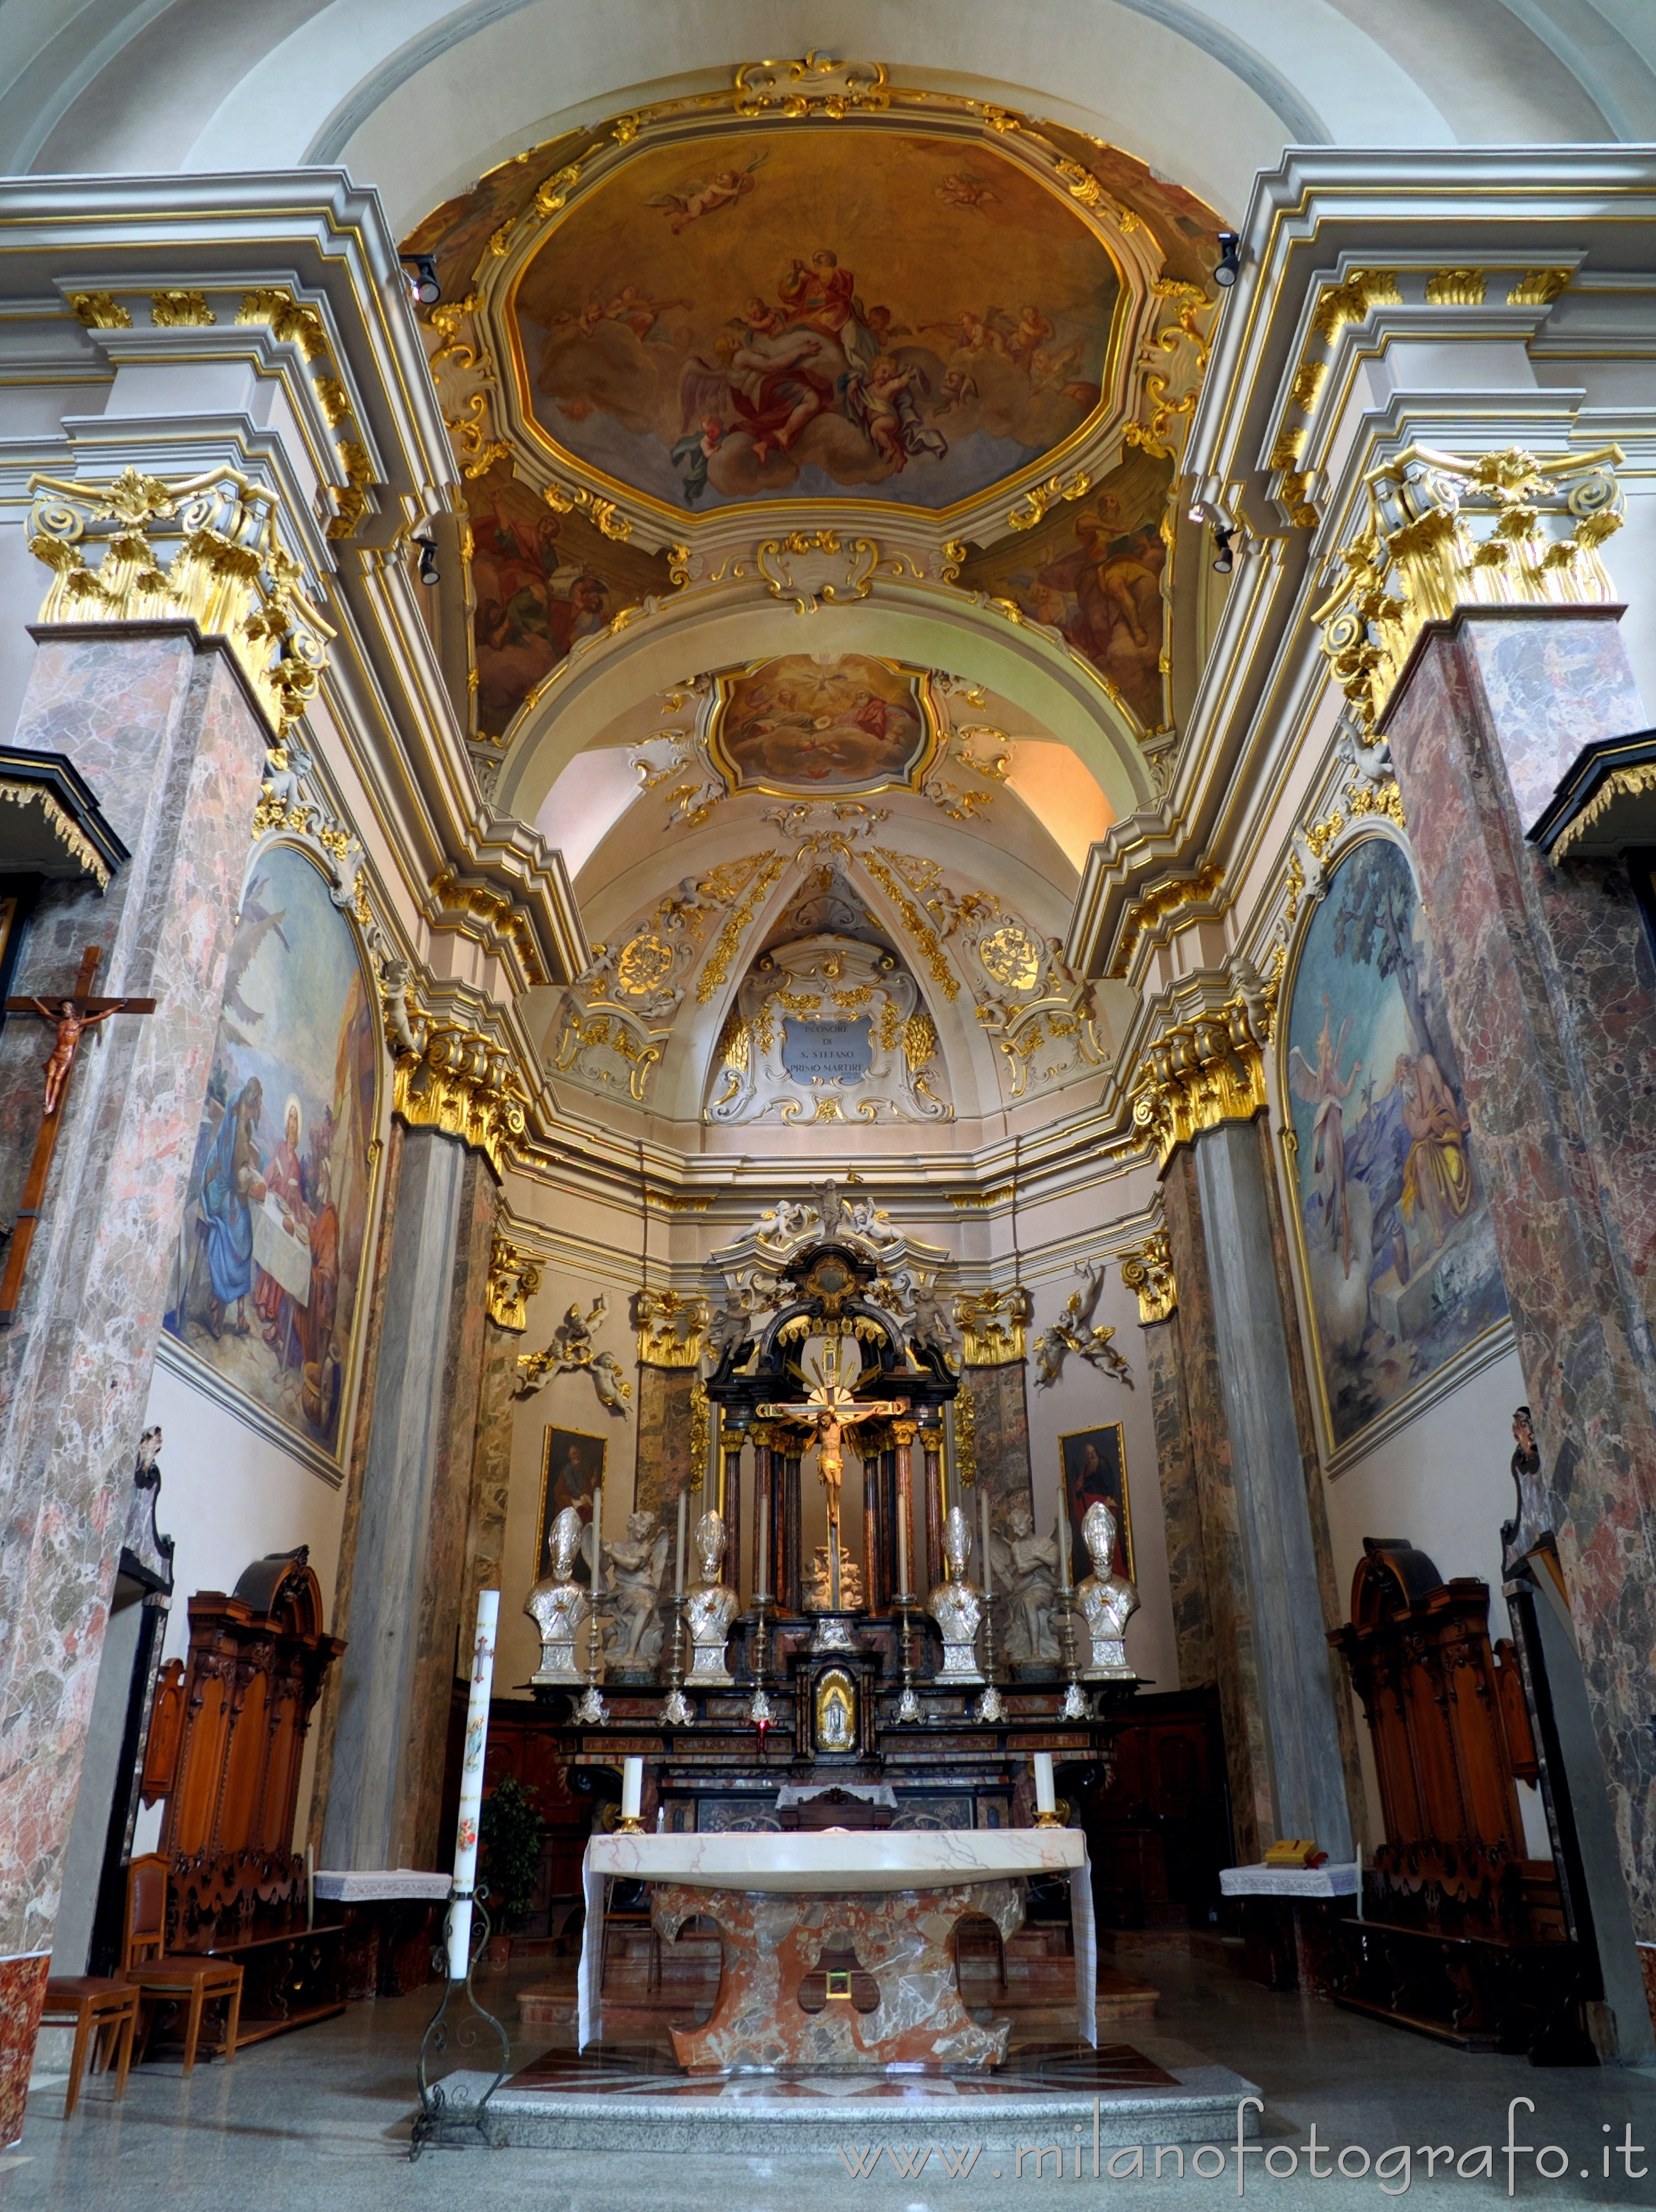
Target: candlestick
pixel 592 1710
pixel 1064 1538
pixel 988 1571
pixel 471 1785
pixel 902 1537
pixel 632 1797
pixel 678 1558
pixel 763 1564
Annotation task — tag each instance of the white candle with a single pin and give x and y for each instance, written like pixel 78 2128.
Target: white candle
pixel 983 1516
pixel 678 1557
pixel 761 1506
pixel 597 1538
pixel 1045 1799
pixel 632 1788
pixel 902 1533
pixel 471 1785
pixel 1062 1539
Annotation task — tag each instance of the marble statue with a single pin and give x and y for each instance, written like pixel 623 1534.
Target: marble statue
pixel 710 1606
pixel 819 1593
pixel 1027 1577
pixel 1106 1600
pixel 956 1606
pixel 636 1564
pixel 558 1604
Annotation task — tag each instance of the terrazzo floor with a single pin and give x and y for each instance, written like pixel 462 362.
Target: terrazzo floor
pixel 321 2119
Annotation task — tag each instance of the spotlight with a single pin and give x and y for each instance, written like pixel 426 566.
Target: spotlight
pixel 1230 260
pixel 423 286
pixel 1226 561
pixel 429 573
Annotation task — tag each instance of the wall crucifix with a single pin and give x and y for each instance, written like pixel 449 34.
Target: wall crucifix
pixel 71 1017
pixel 830 1408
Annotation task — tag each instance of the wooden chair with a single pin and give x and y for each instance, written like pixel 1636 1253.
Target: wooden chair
pixel 104 2013
pixel 182 1978
pixel 632 1915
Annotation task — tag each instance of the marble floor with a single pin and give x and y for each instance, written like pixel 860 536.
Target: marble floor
pixel 321 2119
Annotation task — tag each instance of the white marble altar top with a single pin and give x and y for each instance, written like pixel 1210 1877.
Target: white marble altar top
pixel 889 1858
pixel 367 1885
pixel 1289 1882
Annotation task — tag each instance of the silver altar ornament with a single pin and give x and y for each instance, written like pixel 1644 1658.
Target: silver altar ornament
pixel 709 1606
pixel 558 1604
pixel 956 1606
pixel 1107 1601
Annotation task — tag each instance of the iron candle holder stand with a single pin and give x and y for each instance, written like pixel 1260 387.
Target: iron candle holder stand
pixel 440 2123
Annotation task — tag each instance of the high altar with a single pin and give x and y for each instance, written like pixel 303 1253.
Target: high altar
pixel 839 1772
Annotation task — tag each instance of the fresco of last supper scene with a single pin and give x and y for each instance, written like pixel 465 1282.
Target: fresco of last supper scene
pixel 828 1192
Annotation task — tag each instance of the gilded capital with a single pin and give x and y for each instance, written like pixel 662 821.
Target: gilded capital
pixel 207 549
pixel 1442 532
pixel 1198 1074
pixel 672 1327
pixel 1149 1272
pixel 513 1279
pixel 992 1326
pixel 463 1084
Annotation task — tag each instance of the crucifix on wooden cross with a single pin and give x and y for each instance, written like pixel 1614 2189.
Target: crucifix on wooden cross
pixel 830 1409
pixel 71 1016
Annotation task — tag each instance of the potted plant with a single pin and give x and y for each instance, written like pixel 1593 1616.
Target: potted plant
pixel 509 1837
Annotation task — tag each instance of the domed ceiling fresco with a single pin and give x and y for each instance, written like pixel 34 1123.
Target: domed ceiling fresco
pixel 756 315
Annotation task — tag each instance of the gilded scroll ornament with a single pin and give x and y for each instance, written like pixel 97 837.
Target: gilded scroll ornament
pixel 288 318
pixel 101 310
pixel 513 1279
pixel 672 1327
pixel 1198 1075
pixel 1539 287
pixel 229 573
pixel 1444 532
pixel 1168 898
pixel 991 1325
pixel 180 311
pixel 815 86
pixel 496 914
pixel 1455 288
pixel 1148 1271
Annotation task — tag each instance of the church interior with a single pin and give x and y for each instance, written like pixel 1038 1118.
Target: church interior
pixel 828 1182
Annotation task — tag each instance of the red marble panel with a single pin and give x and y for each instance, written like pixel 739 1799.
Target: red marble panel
pixel 1552 998
pixel 22 1997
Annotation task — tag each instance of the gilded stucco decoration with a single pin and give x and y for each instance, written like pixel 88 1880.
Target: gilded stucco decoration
pixel 1160 903
pixel 1148 1272
pixel 831 1029
pixel 476 911
pixel 1443 531
pixel 513 1279
pixel 1198 1074
pixel 992 1325
pixel 229 571
pixel 672 1327
pixel 459 1080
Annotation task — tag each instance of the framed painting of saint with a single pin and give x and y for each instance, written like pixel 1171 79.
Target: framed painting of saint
pixel 571 1468
pixel 1093 1463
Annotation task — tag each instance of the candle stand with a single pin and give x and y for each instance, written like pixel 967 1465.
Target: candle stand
pixel 676 1711
pixel 908 1704
pixel 1076 1705
pixel 441 2123
pixel 759 1705
pixel 990 1707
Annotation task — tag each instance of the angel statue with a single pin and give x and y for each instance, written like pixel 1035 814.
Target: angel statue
pixel 1325 1090
pixel 1075 1331
pixel 637 1563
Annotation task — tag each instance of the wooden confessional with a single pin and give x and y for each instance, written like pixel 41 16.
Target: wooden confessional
pixel 227 1738
pixel 1463 1935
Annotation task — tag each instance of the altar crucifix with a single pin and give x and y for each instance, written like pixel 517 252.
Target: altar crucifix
pixel 830 1408
pixel 71 1015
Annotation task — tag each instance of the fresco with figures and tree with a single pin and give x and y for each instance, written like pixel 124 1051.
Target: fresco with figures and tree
pixel 1398 1246
pixel 834 723
pixel 1091 570
pixel 767 313
pixel 267 1271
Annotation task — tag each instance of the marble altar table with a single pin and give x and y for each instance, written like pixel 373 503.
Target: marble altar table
pixel 837 1946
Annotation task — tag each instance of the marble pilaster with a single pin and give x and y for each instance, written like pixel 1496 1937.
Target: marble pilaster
pixel 407 1563
pixel 1181 1511
pixel 664 1439
pixel 1551 999
pixel 1227 1589
pixel 1001 1411
pixel 162 727
pixel 491 1466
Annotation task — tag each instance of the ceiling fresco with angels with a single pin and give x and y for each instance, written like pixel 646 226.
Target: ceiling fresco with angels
pixel 762 313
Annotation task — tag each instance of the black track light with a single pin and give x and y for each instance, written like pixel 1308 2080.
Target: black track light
pixel 1226 560
pixel 1230 260
pixel 429 573
pixel 423 282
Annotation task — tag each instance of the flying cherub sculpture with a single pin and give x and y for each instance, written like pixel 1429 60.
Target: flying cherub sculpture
pixel 1074 1331
pixel 572 1351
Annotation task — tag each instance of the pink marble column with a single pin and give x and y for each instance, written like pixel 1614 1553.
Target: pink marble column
pixel 1552 1002
pixel 22 1998
pixel 163 729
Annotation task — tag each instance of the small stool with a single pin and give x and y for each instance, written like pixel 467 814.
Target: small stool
pixel 95 2006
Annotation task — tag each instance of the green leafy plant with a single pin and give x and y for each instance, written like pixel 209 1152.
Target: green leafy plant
pixel 509 1837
